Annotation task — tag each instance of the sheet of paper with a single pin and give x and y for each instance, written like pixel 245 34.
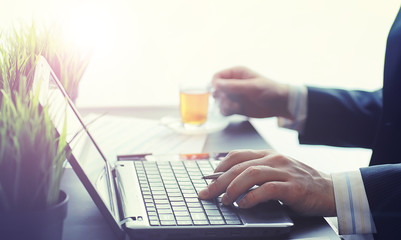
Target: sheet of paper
pixel 117 135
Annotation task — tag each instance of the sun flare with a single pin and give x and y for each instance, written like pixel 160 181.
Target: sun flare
pixel 89 26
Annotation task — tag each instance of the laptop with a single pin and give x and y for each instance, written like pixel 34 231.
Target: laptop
pixel 151 199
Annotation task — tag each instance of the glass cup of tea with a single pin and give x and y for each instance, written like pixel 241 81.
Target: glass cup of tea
pixel 194 103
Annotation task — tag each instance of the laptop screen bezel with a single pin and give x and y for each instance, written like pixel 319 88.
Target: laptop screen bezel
pixel 43 75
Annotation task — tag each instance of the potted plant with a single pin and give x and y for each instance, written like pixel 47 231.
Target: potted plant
pixel 32 153
pixel 67 60
pixel 32 158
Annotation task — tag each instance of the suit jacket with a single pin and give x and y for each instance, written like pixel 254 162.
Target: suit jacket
pixel 370 120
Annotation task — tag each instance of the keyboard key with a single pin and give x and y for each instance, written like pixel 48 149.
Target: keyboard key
pixel 177 204
pixel 200 185
pixel 217 222
pixel 198 216
pixel 153 218
pixel 189 191
pixel 177 163
pixel 149 204
pixel 233 222
pixel 194 204
pixel 215 218
pixel 183 218
pixel 166 217
pixel 159 192
pixel 185 182
pixel 164 211
pixel 154 223
pixel 183 175
pixel 155 181
pixel 173 190
pixel 208 202
pixel 201 222
pixel 228 213
pixel 213 212
pixel 190 195
pixel 154 177
pixel 226 209
pixel 232 217
pixel 147 200
pixel 180 208
pixel 158 197
pixel 172 187
pixel 195 210
pixel 176 199
pixel 191 200
pixel 187 187
pixel 147 196
pixel 146 191
pixel 151 209
pixel 171 181
pixel 157 188
pixel 181 213
pixel 210 207
pixel 167 223
pixel 175 194
pixel 184 222
pixel 163 206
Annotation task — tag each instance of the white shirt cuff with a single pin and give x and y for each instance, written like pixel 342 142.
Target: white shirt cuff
pixel 297 106
pixel 353 212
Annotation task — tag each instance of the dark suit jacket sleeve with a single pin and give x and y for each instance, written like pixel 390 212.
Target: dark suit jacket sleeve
pixel 382 186
pixel 341 118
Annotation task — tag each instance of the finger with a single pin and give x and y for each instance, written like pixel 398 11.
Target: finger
pixel 219 185
pixel 238 72
pixel 233 86
pixel 227 107
pixel 216 187
pixel 239 156
pixel 274 190
pixel 276 160
pixel 217 94
pixel 228 104
pixel 251 176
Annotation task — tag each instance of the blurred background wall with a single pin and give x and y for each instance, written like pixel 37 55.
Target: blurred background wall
pixel 143 49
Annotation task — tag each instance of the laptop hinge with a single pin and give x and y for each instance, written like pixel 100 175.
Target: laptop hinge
pixel 128 192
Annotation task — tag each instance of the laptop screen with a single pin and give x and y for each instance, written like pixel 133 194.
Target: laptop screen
pixel 86 158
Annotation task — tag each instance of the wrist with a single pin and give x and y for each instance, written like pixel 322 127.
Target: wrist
pixel 296 107
pixel 331 202
pixel 283 95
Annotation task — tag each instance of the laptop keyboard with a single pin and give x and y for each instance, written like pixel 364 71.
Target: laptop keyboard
pixel 170 192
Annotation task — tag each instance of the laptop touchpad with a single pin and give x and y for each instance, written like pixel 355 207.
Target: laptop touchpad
pixel 268 212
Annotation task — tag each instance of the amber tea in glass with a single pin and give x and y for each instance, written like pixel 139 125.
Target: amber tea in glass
pixel 194 104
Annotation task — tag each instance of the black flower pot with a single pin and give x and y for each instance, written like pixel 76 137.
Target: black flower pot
pixel 44 224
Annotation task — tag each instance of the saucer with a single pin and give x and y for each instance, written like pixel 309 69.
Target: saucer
pixel 210 126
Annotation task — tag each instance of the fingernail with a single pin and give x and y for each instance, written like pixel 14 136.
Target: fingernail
pixel 242 203
pixel 203 193
pixel 225 200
